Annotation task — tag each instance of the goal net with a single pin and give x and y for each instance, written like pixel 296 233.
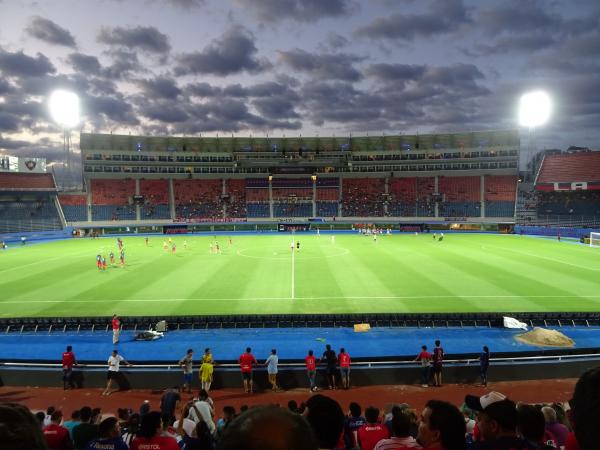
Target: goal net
pixel 594 239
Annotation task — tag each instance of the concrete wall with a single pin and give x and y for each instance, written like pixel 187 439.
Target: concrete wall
pixel 296 377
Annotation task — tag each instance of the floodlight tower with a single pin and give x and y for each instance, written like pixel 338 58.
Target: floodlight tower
pixel 64 109
pixel 534 110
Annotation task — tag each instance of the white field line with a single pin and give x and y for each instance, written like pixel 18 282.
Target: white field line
pixel 293 267
pixel 408 297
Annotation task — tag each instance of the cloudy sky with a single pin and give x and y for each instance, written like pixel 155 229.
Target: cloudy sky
pixel 289 67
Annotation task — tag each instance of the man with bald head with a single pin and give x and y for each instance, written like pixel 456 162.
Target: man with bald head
pixel 268 428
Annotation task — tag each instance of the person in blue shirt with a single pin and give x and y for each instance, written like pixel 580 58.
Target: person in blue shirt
pixel 109 436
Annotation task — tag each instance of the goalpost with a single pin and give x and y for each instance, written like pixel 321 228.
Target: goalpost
pixel 594 239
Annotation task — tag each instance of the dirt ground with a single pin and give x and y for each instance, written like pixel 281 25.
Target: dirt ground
pixel 525 391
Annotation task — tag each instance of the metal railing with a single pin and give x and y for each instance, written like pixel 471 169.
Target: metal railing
pixel 300 365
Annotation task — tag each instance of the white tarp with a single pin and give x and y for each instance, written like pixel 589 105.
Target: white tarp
pixel 510 322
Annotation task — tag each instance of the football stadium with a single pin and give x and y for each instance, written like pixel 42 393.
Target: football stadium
pixel 214 256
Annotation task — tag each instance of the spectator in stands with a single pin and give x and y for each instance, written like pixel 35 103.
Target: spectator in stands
pixel 331 365
pixel 200 438
pixel 57 437
pixel 425 358
pixel 371 432
pixel 344 361
pixel 326 419
pixel 311 370
pixel 109 436
pixel 293 406
pixel 497 422
pixel 19 429
pixel 532 427
pixel 441 427
pixel 402 422
pixel 169 402
pixel 269 428
pixel 40 416
pixel 133 427
pixel 585 406
pixel 75 420
pixel 48 415
pixel 558 430
pixel 271 363
pixel 438 357
pixel 352 423
pixel 484 364
pixel 201 410
pixel 247 361
pixel 149 436
pixel 85 431
pixel 225 421
pixel 68 361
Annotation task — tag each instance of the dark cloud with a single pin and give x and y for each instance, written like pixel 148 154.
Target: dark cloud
pixel 86 64
pixel 444 16
pixel 234 52
pixel 148 39
pixel 187 4
pixel 124 63
pixel 160 87
pixel 5 87
pixel 338 66
pixel 19 64
pixel 395 73
pixel 519 17
pixel 48 31
pixel 276 107
pixel 297 10
pixel 202 89
pixel 516 44
pixel 336 41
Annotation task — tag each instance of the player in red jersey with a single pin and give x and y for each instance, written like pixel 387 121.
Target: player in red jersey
pixel 173 248
pixel 116 327
pixel 99 261
pixel 247 361
pixel 103 262
pixel 68 361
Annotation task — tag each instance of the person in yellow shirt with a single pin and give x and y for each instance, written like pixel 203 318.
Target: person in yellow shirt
pixel 206 370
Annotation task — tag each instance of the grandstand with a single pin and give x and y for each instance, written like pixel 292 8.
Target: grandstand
pixel 463 176
pixel 28 202
pixel 566 191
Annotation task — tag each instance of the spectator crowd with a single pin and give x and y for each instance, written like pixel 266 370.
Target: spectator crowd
pixel 488 422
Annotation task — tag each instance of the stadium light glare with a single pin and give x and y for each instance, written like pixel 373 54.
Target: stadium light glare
pixel 64 108
pixel 534 109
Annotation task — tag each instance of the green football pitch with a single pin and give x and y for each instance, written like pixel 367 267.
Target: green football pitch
pixel 259 274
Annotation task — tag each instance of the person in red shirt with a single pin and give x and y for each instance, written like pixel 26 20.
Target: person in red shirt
pixel 247 360
pixel 57 436
pixel 425 358
pixel 371 432
pixel 344 362
pixel 68 361
pixel 149 436
pixel 311 370
pixel 116 327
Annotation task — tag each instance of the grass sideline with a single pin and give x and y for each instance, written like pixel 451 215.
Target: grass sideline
pixel 258 274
